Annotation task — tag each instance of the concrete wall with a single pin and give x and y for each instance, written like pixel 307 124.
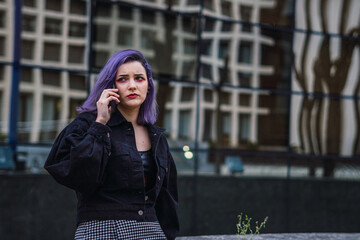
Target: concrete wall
pixel 36 207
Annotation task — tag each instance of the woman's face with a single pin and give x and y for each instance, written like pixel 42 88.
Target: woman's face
pixel 132 82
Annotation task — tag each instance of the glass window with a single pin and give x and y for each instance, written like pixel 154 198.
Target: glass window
pixel 74 104
pixel 53 26
pixel 208 125
pixel 125 36
pixel 187 94
pixel 77 81
pixel 188 70
pixel 209 24
pixel 29 23
pixel 225 98
pixel 2 19
pixel 78 7
pixel 76 54
pixel 169 94
pixel 246 15
pixel 246 27
pixel 2 69
pixel 184 124
pixel 51 77
pixel 206 47
pixel 279 57
pixel 52 51
pixel 125 12
pixel 103 9
pixel 226 26
pixel 189 25
pixel 244 99
pixel 51 108
pixel 193 2
pixel 27 49
pixel 282 14
pixel 147 39
pixel 190 46
pixel 167 121
pixel 209 4
pixel 102 33
pixel 25 117
pixel 224 75
pixel 2 135
pixel 244 79
pixel 55 5
pixel 77 29
pixel 273 126
pixel 2 46
pixel 208 95
pixel 225 119
pixel 148 17
pixel 26 74
pixel 25 107
pixel 29 3
pixel 244 128
pixel 101 57
pixel 223 50
pixel 226 8
pixel 245 52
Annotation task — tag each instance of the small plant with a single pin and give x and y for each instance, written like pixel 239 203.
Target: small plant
pixel 244 226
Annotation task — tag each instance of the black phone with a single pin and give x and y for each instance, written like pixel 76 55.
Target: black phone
pixel 113 103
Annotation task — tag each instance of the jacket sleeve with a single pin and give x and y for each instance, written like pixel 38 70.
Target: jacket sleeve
pixel 167 201
pixel 79 155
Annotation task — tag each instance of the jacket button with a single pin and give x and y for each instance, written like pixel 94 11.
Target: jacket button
pixel 159 178
pixel 146 198
pixel 140 212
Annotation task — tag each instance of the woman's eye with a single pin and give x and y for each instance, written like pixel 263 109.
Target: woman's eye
pixel 121 79
pixel 140 79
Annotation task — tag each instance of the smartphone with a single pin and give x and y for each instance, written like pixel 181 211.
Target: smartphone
pixel 113 103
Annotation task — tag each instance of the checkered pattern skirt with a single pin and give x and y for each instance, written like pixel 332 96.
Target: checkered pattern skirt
pixel 119 229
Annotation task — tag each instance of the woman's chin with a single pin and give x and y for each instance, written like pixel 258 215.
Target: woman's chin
pixel 130 105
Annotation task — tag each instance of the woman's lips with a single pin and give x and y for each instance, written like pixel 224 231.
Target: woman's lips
pixel 133 95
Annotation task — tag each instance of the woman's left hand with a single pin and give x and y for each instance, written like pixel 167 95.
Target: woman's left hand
pixel 104 109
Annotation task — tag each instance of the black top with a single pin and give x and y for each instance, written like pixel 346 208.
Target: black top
pixel 149 168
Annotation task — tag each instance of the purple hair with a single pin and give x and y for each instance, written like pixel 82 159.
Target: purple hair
pixel 106 78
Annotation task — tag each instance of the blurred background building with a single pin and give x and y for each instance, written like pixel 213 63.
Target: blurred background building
pixel 259 88
pixel 274 82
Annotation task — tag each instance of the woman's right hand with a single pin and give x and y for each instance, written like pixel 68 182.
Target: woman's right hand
pixel 104 109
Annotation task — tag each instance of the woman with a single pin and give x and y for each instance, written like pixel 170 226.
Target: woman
pixel 116 160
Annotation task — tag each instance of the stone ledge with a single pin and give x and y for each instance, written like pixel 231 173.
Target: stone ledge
pixel 282 236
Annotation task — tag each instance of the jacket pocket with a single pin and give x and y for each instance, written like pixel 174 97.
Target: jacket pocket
pixel 118 169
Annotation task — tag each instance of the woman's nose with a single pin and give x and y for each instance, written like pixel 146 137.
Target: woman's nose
pixel 132 84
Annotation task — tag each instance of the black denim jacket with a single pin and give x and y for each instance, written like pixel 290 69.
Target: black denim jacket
pixel 101 163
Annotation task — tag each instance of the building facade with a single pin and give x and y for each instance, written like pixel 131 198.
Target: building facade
pixel 232 76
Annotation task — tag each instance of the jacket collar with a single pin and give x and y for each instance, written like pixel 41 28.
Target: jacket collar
pixel 117 118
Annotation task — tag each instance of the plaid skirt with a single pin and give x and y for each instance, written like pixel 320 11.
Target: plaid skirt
pixel 119 229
